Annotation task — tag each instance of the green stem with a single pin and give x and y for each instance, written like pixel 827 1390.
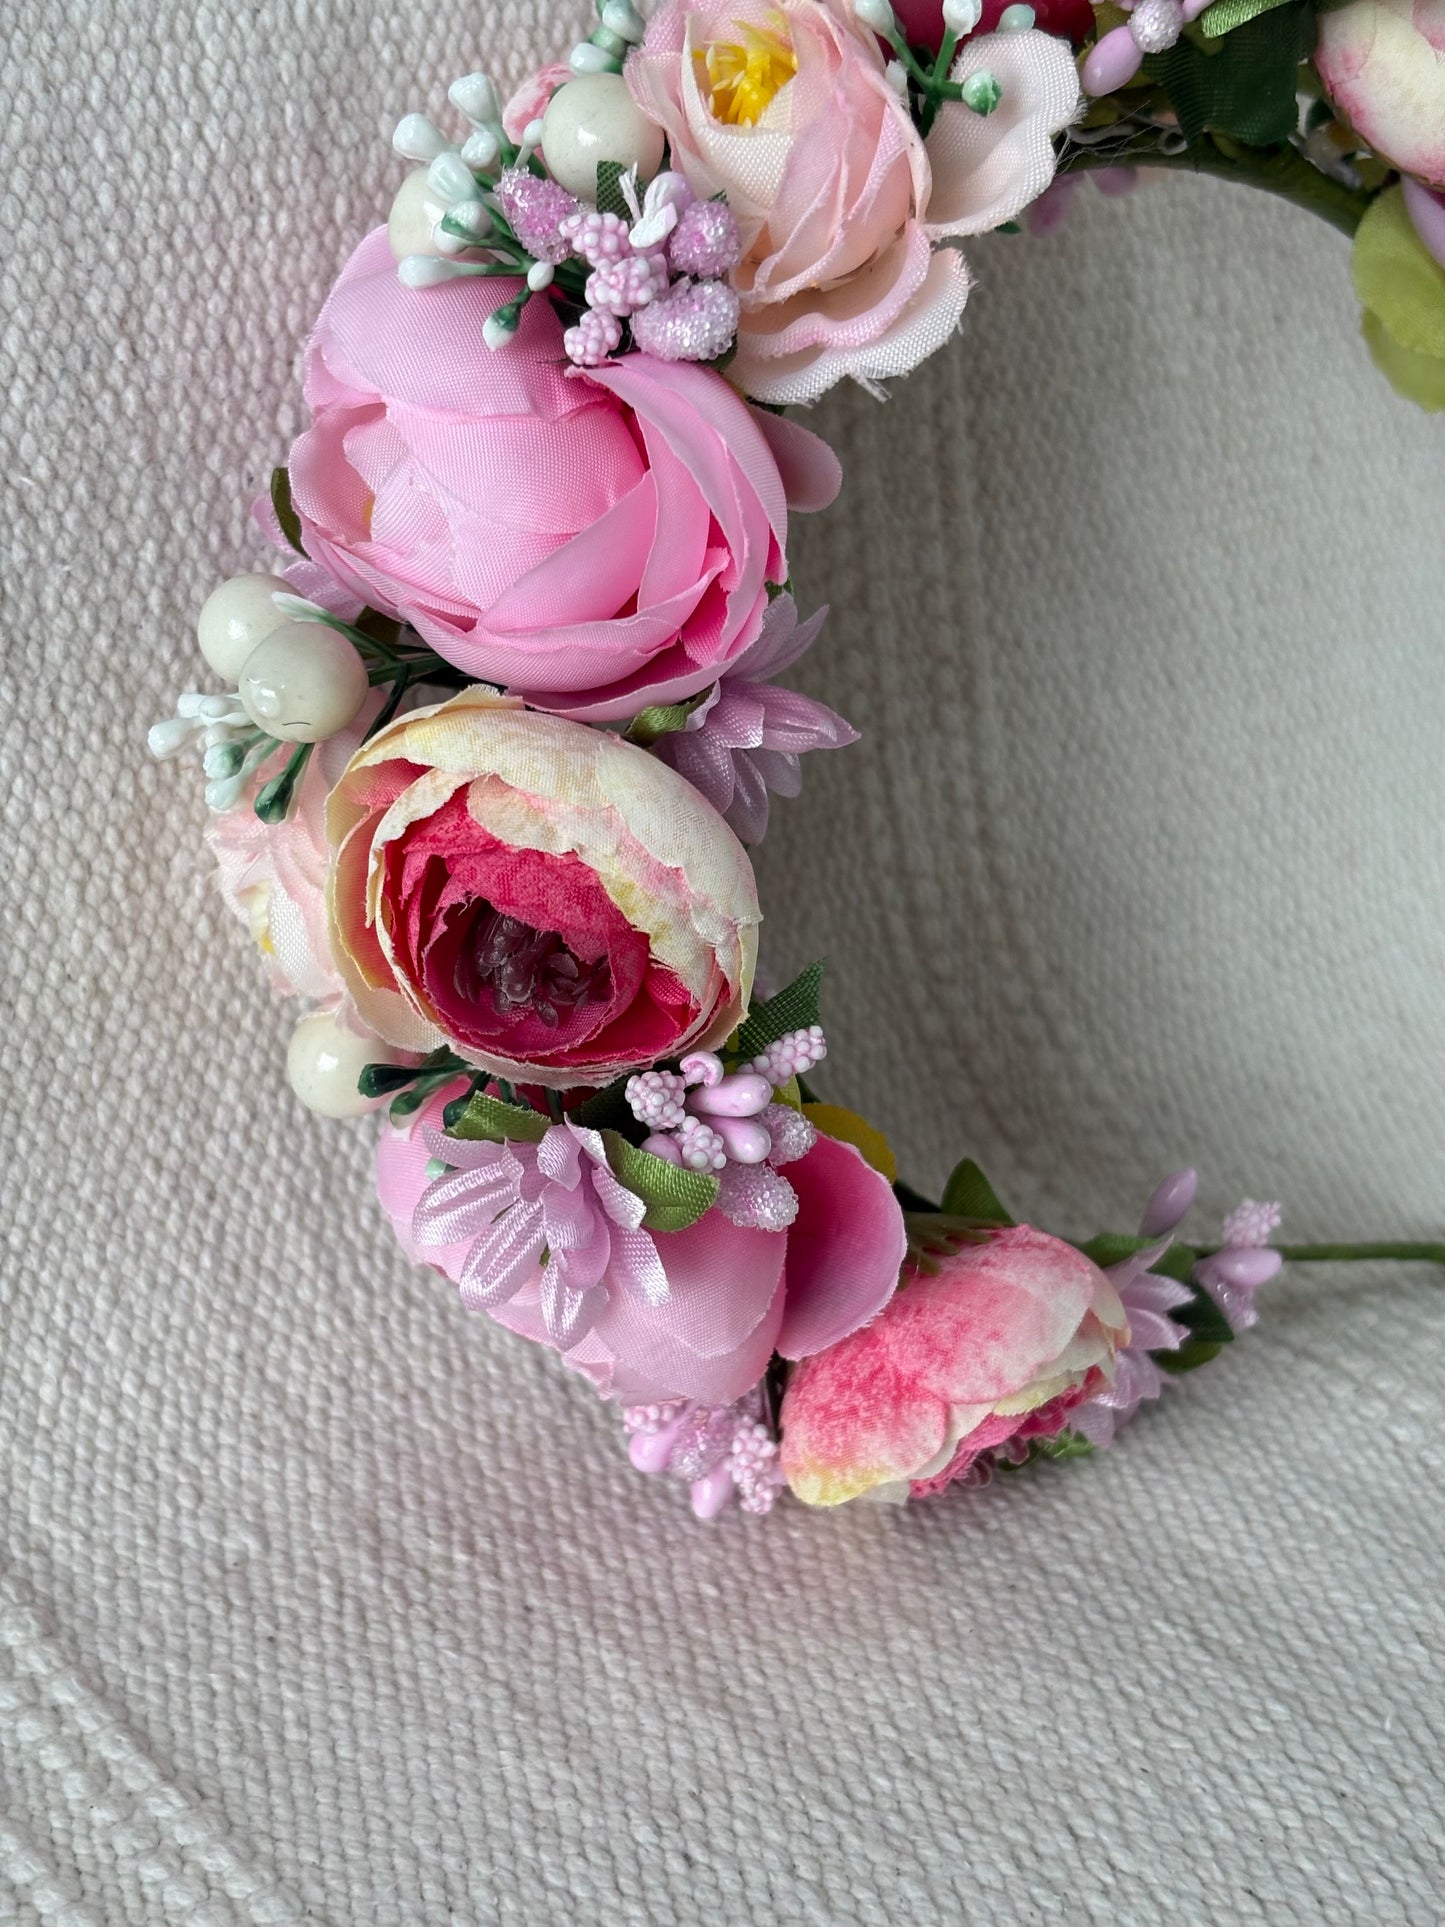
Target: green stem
pixel 1427 1254
pixel 1281 171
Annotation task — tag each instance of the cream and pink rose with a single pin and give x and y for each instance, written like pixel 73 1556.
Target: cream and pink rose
pixel 733 1296
pixel 595 542
pixel 785 107
pixel 1383 65
pixel 555 904
pixel 1000 1342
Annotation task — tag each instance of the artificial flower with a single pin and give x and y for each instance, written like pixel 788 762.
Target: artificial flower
pixel 529 101
pixel 922 20
pixel 1147 1300
pixel 746 736
pixel 552 902
pixel 597 541
pixel 733 1295
pixel 1383 65
pixel 1402 288
pixel 787 110
pixel 1001 1340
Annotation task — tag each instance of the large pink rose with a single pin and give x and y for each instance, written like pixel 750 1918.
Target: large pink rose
pixel 552 902
pixel 1383 65
pixel 1001 1341
pixel 786 109
pixel 733 1296
pixel 596 542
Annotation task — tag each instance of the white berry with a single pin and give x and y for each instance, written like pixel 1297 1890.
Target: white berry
pixel 414 215
pixel 324 1060
pixel 594 118
pixel 237 616
pixel 304 682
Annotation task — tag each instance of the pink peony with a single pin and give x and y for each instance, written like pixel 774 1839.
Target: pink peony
pixel 597 541
pixel 786 109
pixel 551 901
pixel 1383 65
pixel 1001 1342
pixel 733 1296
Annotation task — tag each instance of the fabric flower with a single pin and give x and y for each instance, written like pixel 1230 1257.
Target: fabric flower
pixel 529 102
pixel 1002 1341
pixel 273 875
pixel 551 1213
pixel 1383 65
pixel 922 20
pixel 734 1296
pixel 785 107
pixel 1147 1302
pixel 551 901
pixel 1402 288
pixel 597 540
pixel 746 737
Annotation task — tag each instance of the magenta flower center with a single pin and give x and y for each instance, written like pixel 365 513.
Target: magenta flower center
pixel 524 968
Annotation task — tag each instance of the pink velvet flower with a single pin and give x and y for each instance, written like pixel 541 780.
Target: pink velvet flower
pixel 734 1296
pixel 596 540
pixel 549 900
pixel 784 106
pixel 1383 65
pixel 747 736
pixel 1002 1341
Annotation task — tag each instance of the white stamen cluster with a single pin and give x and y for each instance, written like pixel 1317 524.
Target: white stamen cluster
pixel 230 742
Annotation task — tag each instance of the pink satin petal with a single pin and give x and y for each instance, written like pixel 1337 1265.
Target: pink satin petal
pixel 844 1250
pixel 812 474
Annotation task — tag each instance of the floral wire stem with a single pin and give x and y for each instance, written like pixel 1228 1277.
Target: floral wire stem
pixel 1282 171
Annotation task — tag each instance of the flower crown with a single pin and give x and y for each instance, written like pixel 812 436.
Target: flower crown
pixel 500 730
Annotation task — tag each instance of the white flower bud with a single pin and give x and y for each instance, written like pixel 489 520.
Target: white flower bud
pixel 481 149
pixel 540 275
pixel 962 16
pixel 223 792
pixel 623 19
pixel 587 59
pixel 499 328
pixel 426 270
pixel 476 97
pixel 876 14
pixel 418 139
pixel 170 737
pixel 450 179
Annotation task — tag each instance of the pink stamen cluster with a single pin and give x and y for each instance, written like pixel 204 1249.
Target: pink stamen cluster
pixel 699 1146
pixel 721 1452
pixel 1153 27
pixel 541 213
pixel 656 1099
pixel 1251 1223
pixel 793 1055
pixel 691 318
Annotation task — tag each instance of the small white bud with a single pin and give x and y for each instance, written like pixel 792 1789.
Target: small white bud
pixel 587 59
pixel 499 328
pixel 1016 19
pixel 216 709
pixel 982 92
pixel 540 275
pixel 223 792
pixel 189 705
pixel 170 737
pixel 962 16
pixel 418 139
pixel 447 243
pixel 623 19
pixel 224 759
pixel 474 216
pixel 481 149
pixel 876 14
pixel 425 271
pixel 450 179
pixel 896 74
pixel 476 97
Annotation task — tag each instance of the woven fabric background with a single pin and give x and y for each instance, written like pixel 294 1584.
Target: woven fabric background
pixel 324 1601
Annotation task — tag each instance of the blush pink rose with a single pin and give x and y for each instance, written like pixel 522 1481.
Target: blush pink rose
pixel 734 1296
pixel 1000 1342
pixel 596 542
pixel 1383 65
pixel 786 109
pixel 552 902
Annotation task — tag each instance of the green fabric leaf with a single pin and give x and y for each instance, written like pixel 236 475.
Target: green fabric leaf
pixel 1225 15
pixel 377 1079
pixel 285 509
pixel 1244 84
pixel 606 1110
pixel 1402 287
pixel 488 1117
pixel 674 1196
pixel 968 1194
pixel 792 1009
pixel 609 191
pixel 662 719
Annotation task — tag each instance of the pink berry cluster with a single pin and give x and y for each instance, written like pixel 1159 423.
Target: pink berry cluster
pixel 793 1055
pixel 721 1452
pixel 664 274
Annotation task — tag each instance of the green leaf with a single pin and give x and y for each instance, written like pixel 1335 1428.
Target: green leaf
pixel 488 1117
pixel 609 190
pixel 968 1194
pixel 675 1197
pixel 285 509
pixel 377 1079
pixel 1193 1353
pixel 662 719
pixel 606 1110
pixel 1243 85
pixel 1403 291
pixel 792 1009
pixel 1225 15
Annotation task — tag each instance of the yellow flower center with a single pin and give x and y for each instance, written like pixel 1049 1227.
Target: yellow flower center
pixel 743 76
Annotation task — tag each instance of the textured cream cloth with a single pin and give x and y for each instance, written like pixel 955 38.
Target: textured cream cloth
pixel 327 1602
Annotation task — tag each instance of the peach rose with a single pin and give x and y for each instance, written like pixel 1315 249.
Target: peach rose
pixel 787 110
pixel 552 902
pixel 1383 66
